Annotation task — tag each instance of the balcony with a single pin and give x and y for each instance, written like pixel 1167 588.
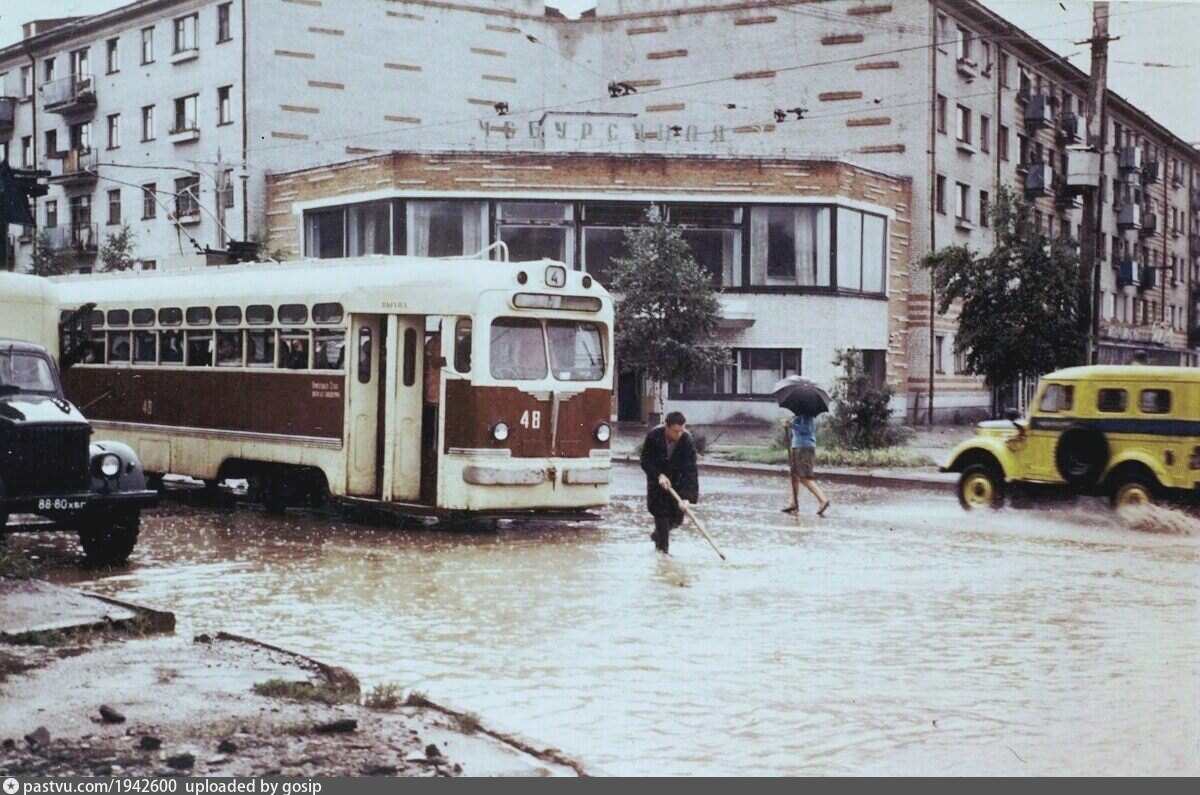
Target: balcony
pixel 968 69
pixel 1129 216
pixel 70 94
pixel 79 239
pixel 1149 224
pixel 1150 173
pixel 1083 170
pixel 8 116
pixel 1039 181
pixel 1064 198
pixel 1129 274
pixel 1039 112
pixel 1070 129
pixel 184 135
pixel 189 54
pixel 1129 159
pixel 73 167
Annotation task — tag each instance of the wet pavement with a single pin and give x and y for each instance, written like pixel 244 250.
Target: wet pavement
pixel 898 635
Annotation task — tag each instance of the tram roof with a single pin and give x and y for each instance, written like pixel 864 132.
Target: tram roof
pixel 376 284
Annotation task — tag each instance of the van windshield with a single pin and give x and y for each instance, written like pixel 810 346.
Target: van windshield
pixel 26 372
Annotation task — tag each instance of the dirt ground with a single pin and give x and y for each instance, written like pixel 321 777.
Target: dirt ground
pixel 116 700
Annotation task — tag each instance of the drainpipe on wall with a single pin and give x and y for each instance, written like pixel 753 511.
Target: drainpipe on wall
pixel 33 111
pixel 245 136
pixel 933 64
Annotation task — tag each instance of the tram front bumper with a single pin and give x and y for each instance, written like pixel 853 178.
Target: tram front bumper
pixel 478 475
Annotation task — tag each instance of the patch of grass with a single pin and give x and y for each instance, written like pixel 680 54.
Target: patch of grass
pixel 10 664
pixel 383 696
pixel 467 722
pixel 886 458
pixel 416 698
pixel 302 691
pixel 14 564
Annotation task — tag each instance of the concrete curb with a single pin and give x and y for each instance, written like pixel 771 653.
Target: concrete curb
pixel 923 480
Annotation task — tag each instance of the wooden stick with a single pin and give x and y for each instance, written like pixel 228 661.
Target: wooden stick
pixel 695 520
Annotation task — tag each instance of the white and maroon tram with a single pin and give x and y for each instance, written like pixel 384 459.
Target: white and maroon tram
pixel 426 384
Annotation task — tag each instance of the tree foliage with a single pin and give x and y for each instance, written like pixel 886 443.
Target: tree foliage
pixel 1024 304
pixel 47 259
pixel 116 252
pixel 862 412
pixel 668 307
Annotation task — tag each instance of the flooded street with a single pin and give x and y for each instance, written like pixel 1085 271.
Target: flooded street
pixel 899 635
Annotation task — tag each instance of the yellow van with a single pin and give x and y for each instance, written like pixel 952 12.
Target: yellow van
pixel 1131 432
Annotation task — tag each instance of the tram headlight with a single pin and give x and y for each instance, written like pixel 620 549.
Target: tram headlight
pixel 109 465
pixel 603 433
pixel 500 431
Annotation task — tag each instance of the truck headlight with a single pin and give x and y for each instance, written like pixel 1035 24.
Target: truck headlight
pixel 500 431
pixel 603 433
pixel 109 465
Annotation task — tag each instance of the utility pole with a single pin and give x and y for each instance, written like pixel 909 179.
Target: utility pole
pixel 1095 138
pixel 221 179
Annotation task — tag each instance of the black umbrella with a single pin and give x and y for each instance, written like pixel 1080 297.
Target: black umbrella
pixel 801 395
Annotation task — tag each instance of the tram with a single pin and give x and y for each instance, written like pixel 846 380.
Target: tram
pixel 431 386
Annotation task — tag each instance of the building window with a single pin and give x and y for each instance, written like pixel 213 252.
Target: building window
pixel 185 33
pixel 26 81
pixel 148 123
pixel 985 133
pixel 81 136
pixel 51 213
pixel 112 56
pixel 47 70
pixel 943 29
pixel 147 45
pixel 721 383
pixel 714 234
pixel 80 64
pixel 149 200
pixel 963 129
pixel 114 206
pixel 187 196
pixel 185 113
pixel 114 131
pixel 939 194
pixel 960 361
pixel 224 105
pixel 353 230
pixel 223 33
pixel 941 113
pixel 536 230
pixel 26 151
pixel 789 246
pixel 987 57
pixel 964 43
pixel 985 208
pixel 51 141
pixel 369 229
pixel 860 251
pixel 325 233
pixel 760 368
pixel 446 228
pixel 939 353
pixel 962 198
pixel 1002 68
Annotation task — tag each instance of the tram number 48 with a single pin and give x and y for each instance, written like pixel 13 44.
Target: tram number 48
pixel 531 419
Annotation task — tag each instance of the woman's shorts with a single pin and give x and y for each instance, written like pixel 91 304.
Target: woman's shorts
pixel 800 459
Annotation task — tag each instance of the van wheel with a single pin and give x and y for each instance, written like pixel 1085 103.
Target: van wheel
pixel 1081 455
pixel 109 538
pixel 1131 489
pixel 980 486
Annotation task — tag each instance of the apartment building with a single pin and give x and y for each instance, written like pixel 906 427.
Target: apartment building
pixel 947 96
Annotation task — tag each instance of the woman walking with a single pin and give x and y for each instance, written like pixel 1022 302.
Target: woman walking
pixel 801 455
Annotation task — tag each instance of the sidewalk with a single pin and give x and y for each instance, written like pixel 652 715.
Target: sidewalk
pixel 935 443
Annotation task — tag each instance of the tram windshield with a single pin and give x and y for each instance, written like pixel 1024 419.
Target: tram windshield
pixel 519 347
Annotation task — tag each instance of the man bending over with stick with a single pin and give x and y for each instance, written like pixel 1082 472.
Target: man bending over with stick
pixel 669 461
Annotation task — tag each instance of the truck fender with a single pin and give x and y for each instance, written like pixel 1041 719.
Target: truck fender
pixel 131 478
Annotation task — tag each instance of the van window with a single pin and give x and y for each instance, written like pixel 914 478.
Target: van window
pixel 118 317
pixel 229 315
pixel 1155 401
pixel 170 316
pixel 260 315
pixel 1112 401
pixel 462 345
pixel 1057 397
pixel 199 316
pixel 143 317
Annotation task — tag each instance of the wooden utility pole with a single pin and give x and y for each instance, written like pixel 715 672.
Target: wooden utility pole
pixel 1095 138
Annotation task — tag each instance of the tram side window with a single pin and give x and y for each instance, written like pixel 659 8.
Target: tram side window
pixel 145 347
pixel 329 351
pixel 199 349
pixel 96 347
pixel 518 349
pixel 260 348
pixel 260 315
pixel 462 345
pixel 118 346
pixel 170 316
pixel 229 348
pixel 293 350
pixel 171 343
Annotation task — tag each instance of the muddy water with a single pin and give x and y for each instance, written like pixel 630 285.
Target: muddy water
pixel 899 635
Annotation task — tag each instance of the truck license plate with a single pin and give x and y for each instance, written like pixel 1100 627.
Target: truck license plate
pixel 61 504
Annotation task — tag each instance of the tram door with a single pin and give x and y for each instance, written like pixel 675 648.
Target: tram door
pixel 363 418
pixel 401 449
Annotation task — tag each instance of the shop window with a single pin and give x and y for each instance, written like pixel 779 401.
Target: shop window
pixel 446 228
pixel 325 233
pixel 720 383
pixel 789 246
pixel 602 245
pixel 713 232
pixel 369 229
pixel 536 230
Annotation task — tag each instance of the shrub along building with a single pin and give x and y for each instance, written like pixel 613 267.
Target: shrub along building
pixel 802 109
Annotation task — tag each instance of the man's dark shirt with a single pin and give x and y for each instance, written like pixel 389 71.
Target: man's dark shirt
pixel 679 466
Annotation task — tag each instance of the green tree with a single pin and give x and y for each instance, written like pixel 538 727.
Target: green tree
pixel 47 259
pixel 116 252
pixel 1024 304
pixel 862 412
pixel 668 308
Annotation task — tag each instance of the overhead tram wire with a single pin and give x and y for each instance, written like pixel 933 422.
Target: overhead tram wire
pixel 660 89
pixel 170 213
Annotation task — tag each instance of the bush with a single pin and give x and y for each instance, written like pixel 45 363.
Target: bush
pixel 383 696
pixel 862 412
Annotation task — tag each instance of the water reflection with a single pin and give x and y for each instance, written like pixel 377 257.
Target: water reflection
pixel 900 635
